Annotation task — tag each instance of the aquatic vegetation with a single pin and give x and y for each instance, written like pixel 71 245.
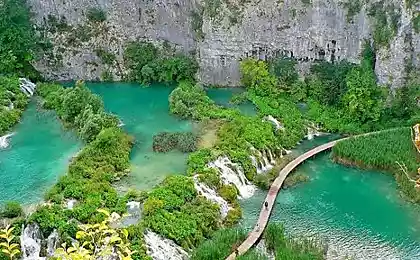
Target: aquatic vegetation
pixel 382 151
pixel 184 142
pixel 11 209
pixel 291 248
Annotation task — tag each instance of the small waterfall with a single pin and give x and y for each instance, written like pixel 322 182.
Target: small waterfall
pixel 30 242
pixel 211 195
pixel 232 173
pixel 120 123
pixel 53 242
pixel 312 132
pixel 272 161
pixel 274 121
pixel 255 164
pixel 27 86
pixel 70 203
pixel 4 142
pixel 160 248
pixel 267 162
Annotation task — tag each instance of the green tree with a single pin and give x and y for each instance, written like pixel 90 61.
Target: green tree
pixel 363 100
pixel 18 41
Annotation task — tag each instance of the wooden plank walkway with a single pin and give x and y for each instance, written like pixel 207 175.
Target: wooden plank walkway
pixel 256 233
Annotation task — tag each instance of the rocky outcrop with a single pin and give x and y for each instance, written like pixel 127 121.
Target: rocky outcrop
pixel 224 31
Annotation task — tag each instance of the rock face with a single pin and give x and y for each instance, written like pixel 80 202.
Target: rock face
pixel 221 32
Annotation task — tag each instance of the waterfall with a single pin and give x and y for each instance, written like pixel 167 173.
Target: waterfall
pixel 160 248
pixel 70 203
pixel 211 195
pixel 27 86
pixel 4 142
pixel 30 242
pixel 53 242
pixel 120 123
pixel 232 173
pixel 312 132
pixel 255 164
pixel 274 121
pixel 265 159
pixel 133 217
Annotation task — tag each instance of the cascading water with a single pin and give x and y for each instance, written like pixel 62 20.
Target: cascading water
pixel 53 242
pixel 211 195
pixel 70 203
pixel 160 248
pixel 30 242
pixel 264 158
pixel 274 121
pixel 4 143
pixel 27 87
pixel 232 173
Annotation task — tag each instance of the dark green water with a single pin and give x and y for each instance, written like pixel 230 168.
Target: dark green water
pixel 145 112
pixel 359 213
pixel 38 153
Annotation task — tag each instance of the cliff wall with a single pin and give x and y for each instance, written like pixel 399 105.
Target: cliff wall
pixel 221 32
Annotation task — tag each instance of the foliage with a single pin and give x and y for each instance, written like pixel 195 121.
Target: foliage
pixel 105 56
pixel 386 19
pixel 12 102
pixel 19 44
pixel 294 179
pixel 382 151
pixel 11 209
pixel 328 84
pixel 184 142
pixel 7 246
pixel 233 217
pixel 219 246
pixel 363 98
pixel 290 248
pixel 285 71
pixel 96 15
pixel 78 107
pixel 256 76
pixel 98 240
pixel 174 210
pixel 353 8
pixel 147 64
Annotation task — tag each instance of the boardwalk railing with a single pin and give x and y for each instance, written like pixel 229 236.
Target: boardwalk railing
pixel 256 233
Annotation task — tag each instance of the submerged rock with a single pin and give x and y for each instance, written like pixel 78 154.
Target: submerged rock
pixel 160 248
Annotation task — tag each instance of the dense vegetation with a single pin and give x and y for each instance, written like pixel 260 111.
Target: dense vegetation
pixel 225 241
pixel 12 103
pixel 148 63
pixel 185 142
pixel 383 150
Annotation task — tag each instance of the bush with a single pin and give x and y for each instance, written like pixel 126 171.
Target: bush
pixel 165 142
pixel 12 209
pixel 96 15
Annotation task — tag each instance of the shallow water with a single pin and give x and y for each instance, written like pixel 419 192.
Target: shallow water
pixel 359 213
pixel 222 97
pixel 145 112
pixel 38 153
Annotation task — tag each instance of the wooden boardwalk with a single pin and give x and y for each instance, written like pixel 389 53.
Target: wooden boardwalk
pixel 256 233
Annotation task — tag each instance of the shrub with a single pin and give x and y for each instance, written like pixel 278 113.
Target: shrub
pixel 233 217
pixel 12 209
pixel 96 15
pixel 165 142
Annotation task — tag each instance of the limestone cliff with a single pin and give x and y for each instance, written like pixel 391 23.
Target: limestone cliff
pixel 221 32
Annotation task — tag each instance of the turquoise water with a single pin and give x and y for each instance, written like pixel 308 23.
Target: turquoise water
pixel 145 112
pixel 38 153
pixel 359 213
pixel 222 96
